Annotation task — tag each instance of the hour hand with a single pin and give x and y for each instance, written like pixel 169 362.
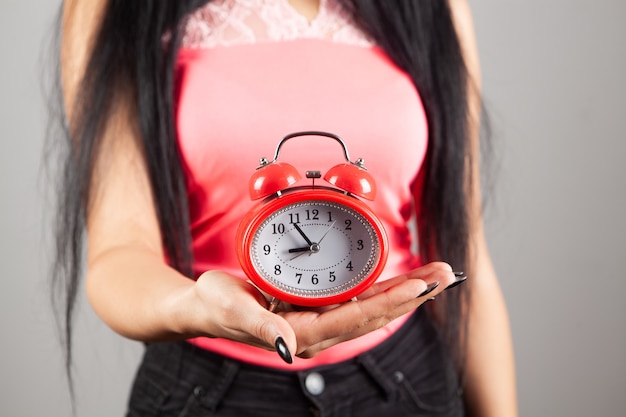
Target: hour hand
pixel 299 252
pixel 305 249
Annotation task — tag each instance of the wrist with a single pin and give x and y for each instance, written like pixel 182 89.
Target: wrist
pixel 179 310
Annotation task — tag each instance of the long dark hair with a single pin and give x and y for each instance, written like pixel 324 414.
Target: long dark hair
pixel 129 55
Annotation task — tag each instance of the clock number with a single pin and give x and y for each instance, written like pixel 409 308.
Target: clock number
pixel 349 267
pixel 278 228
pixel 359 244
pixel 266 249
pixel 277 270
pixel 314 279
pixel 299 276
pixel 330 217
pixel 312 214
pixel 348 224
pixel 332 276
pixel 295 216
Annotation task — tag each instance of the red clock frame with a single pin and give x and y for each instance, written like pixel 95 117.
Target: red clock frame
pixel 251 222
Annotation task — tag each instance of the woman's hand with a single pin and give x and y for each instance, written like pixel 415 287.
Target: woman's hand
pixel 382 303
pixel 231 308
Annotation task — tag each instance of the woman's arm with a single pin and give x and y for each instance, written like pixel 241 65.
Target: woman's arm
pixel 490 380
pixel 127 282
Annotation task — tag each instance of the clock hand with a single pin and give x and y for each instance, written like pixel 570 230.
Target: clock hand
pixel 298 255
pixel 302 234
pixel 325 233
pixel 315 247
pixel 305 249
pixel 312 248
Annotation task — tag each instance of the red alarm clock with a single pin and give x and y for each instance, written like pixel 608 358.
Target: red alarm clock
pixel 311 245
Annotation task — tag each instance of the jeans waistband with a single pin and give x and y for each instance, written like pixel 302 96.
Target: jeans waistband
pixel 374 368
pixel 407 367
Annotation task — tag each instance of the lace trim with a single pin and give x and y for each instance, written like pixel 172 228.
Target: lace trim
pixel 237 22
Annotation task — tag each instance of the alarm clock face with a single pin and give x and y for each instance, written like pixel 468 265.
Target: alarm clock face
pixel 316 251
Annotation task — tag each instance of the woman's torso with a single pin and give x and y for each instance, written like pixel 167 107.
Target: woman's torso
pixel 252 71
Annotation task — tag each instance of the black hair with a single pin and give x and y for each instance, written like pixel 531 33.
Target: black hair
pixel 134 53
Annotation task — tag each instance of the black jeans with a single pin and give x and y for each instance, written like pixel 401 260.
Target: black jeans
pixel 410 374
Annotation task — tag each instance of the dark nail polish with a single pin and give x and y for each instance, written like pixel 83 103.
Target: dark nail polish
pixel 428 300
pixel 282 350
pixel 460 279
pixel 430 288
pixel 459 274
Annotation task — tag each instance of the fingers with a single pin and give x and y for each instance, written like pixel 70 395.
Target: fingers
pixel 236 310
pixel 272 329
pixel 317 331
pixel 381 304
pixel 425 275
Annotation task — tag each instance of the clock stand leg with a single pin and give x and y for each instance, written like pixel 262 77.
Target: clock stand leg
pixel 273 304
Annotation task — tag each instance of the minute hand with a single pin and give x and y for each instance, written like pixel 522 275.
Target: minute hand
pixel 302 234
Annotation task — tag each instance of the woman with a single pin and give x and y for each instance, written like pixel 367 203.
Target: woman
pixel 164 101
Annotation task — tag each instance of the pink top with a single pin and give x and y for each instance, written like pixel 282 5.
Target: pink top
pixel 236 100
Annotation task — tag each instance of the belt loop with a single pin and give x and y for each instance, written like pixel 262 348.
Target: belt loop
pixel 227 373
pixel 384 382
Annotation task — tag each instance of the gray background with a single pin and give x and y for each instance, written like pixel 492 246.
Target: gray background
pixel 553 81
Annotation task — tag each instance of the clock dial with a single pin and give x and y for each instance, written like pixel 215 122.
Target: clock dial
pixel 315 248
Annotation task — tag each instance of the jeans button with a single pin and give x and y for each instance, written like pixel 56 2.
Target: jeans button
pixel 199 391
pixel 314 383
pixel 398 377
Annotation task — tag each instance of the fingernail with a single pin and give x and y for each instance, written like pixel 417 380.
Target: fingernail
pixel 461 278
pixel 282 350
pixel 459 274
pixel 428 300
pixel 430 288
